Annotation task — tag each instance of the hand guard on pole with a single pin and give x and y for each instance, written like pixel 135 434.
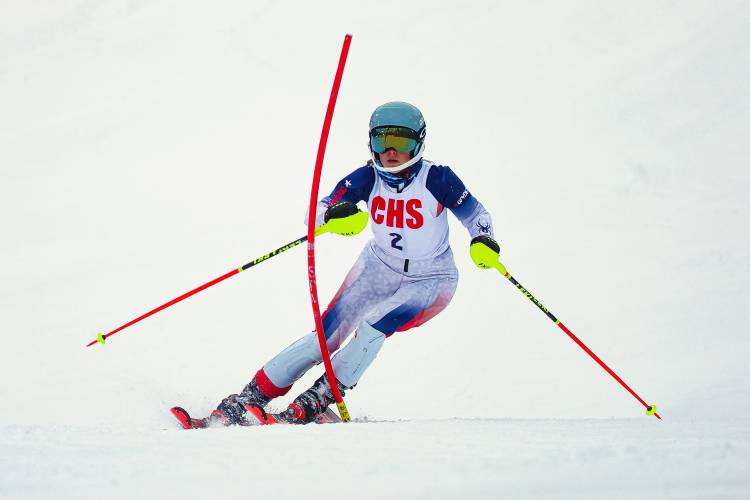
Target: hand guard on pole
pixel 345 219
pixel 484 251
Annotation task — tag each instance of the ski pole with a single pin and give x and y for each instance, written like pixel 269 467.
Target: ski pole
pixel 102 338
pixel 650 409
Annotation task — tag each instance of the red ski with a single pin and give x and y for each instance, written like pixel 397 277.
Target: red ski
pixel 263 418
pixel 186 421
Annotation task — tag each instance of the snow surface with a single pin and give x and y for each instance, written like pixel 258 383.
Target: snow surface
pixel 149 146
pixel 458 458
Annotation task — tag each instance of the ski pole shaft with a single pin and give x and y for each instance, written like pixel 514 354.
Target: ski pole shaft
pixel 650 409
pixel 101 338
pixel 311 231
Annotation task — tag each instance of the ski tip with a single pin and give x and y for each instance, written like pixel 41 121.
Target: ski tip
pixel 182 416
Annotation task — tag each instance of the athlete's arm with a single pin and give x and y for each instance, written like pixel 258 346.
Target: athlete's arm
pixel 353 188
pixel 450 191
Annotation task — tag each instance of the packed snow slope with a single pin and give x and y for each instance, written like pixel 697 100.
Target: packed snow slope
pixel 425 459
pixel 147 147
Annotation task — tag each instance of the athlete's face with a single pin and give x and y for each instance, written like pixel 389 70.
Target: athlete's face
pixel 392 158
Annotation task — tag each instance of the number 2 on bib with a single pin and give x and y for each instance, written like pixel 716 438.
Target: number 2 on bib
pixel 394 242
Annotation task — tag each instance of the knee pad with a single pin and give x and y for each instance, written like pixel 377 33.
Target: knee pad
pixel 353 359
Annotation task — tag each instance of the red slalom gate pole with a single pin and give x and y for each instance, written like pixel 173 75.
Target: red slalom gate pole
pixel 650 409
pixel 311 231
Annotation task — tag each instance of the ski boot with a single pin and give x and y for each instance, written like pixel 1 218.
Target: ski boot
pixel 311 404
pixel 233 409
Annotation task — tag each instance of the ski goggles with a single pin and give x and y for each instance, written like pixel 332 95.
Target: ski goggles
pixel 402 139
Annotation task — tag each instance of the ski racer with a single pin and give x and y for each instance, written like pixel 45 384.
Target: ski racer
pixel 403 277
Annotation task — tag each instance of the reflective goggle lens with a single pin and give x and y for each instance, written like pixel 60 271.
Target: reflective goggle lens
pixel 400 139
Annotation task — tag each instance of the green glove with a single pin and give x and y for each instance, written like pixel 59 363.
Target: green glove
pixel 345 218
pixel 485 252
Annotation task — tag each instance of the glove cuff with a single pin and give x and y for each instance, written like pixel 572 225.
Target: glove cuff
pixel 486 240
pixel 340 210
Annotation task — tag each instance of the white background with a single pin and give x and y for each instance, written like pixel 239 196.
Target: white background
pixel 147 147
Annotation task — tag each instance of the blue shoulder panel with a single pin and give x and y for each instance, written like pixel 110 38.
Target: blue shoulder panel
pixel 355 187
pixel 450 191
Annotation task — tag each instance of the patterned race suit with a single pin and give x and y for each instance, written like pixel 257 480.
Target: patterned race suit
pixel 402 278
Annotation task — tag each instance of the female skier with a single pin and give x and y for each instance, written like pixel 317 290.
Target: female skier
pixel 402 278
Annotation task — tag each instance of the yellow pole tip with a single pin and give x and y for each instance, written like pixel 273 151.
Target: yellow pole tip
pixel 101 338
pixel 651 410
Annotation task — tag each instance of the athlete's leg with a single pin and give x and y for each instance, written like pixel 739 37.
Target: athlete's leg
pixel 351 362
pixel 418 299
pixel 412 305
pixel 277 376
pixel 367 283
pixel 426 290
